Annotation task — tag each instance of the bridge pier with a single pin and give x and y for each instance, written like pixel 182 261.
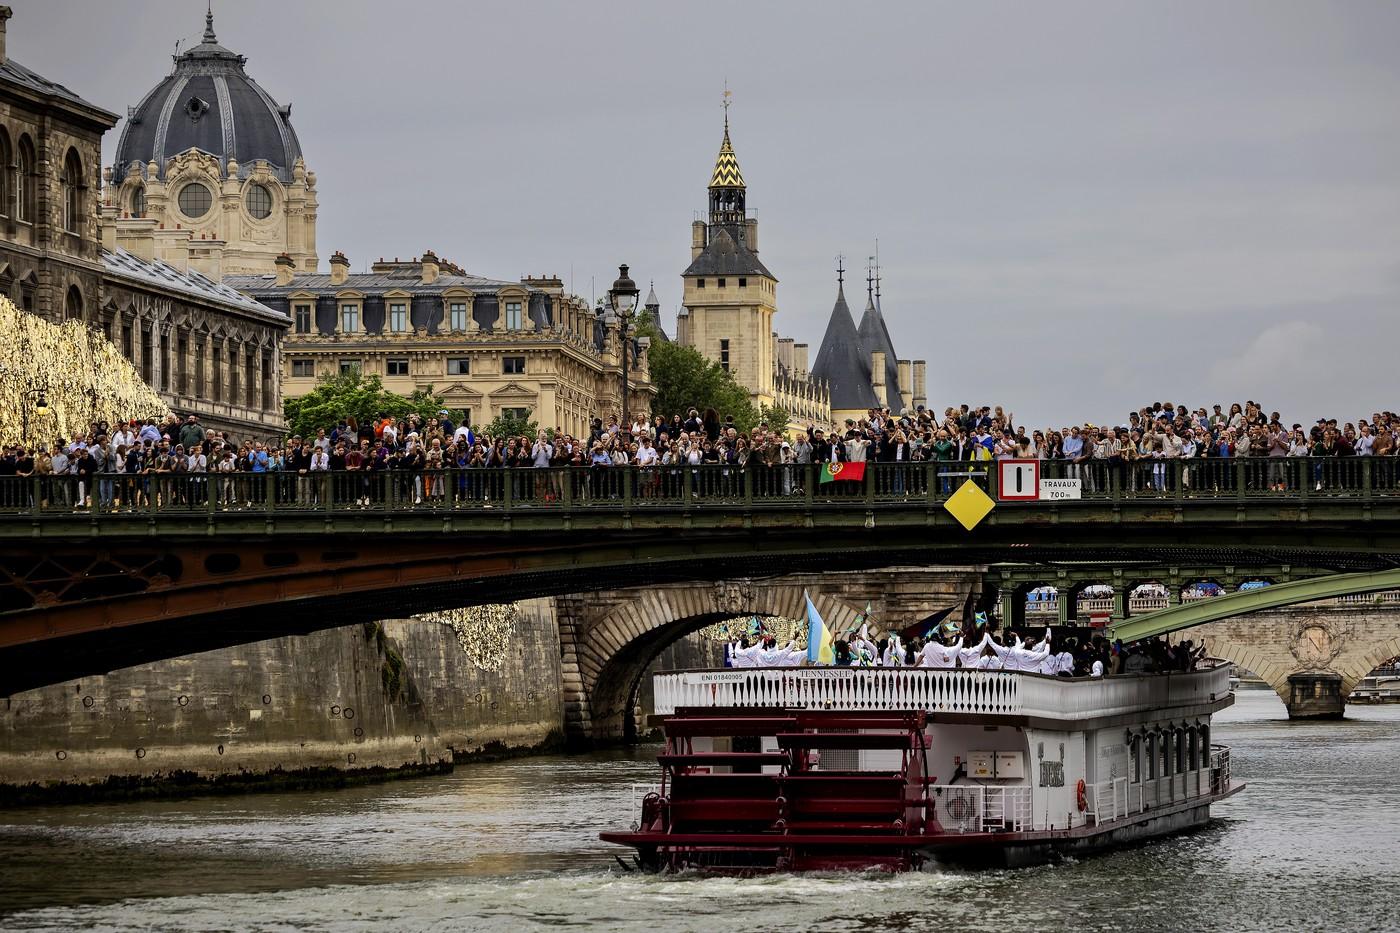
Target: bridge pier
pixel 1315 695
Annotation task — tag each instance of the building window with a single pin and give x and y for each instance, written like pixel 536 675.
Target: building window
pixel 513 366
pixel 195 200
pixel 7 179
pixel 303 367
pixel 457 316
pixel 513 317
pixel 165 373
pixel 302 316
pixel 721 283
pixel 396 366
pixel 73 305
pixel 233 381
pixel 128 349
pixel 517 414
pixel 459 366
pixel 26 183
pixel 724 354
pixel 72 192
pixel 350 366
pixel 259 201
pixel 182 365
pixel 198 366
pixel 138 201
pixel 743 283
pixel 699 283
pixel 398 318
pixel 350 318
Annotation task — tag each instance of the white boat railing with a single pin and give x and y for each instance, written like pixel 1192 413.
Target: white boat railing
pixel 937 691
pixel 1108 800
pixel 977 808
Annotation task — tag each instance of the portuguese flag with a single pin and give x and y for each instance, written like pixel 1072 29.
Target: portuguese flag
pixel 854 472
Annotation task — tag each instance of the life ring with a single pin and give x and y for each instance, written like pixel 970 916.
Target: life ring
pixel 1079 798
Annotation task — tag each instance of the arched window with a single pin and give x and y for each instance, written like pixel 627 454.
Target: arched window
pixel 138 201
pixel 73 306
pixel 7 175
pixel 73 192
pixel 1205 747
pixel 26 184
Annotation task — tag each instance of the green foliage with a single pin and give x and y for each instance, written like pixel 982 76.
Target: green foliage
pixel 775 416
pixel 507 426
pixel 685 379
pixel 353 395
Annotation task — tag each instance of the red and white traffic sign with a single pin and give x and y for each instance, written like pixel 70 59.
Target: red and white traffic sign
pixel 1018 480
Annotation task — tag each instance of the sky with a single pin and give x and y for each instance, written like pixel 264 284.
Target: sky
pixel 1080 207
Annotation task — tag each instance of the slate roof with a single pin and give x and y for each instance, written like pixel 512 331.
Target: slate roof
pixel 874 335
pixel 120 264
pixel 725 254
pixel 209 103
pixel 367 282
pixel 841 361
pixel 13 72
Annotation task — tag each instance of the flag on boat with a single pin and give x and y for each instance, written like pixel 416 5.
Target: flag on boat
pixel 819 641
pixel 932 623
pixel 852 472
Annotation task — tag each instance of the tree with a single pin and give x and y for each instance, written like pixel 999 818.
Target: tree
pixel 354 395
pixel 508 424
pixel 685 379
pixel 775 416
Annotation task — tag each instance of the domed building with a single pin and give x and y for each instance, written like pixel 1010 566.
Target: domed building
pixel 210 169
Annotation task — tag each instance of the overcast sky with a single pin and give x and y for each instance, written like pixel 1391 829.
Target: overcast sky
pixel 1080 206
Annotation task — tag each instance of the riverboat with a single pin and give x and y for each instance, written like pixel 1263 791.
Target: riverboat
pixel 1377 688
pixel 820 768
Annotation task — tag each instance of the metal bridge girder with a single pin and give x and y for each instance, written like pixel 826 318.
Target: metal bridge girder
pixel 1202 611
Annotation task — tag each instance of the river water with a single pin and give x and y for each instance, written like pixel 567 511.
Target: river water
pixel 1313 843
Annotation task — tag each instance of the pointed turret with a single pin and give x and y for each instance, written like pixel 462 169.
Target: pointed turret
pixel 875 337
pixel 727 190
pixel 841 361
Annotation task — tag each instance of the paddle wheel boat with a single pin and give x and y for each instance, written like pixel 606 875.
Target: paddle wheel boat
pixel 820 768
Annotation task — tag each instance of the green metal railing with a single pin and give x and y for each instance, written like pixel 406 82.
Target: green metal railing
pixel 687 487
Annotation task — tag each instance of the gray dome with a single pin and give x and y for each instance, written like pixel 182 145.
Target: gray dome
pixel 210 104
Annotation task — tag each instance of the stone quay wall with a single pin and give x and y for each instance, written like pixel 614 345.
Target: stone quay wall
pixel 347 704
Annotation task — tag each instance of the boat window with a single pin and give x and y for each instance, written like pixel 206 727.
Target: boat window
pixel 1135 749
pixel 1166 743
pixel 1205 747
pixel 1152 756
pixel 1181 766
pixel 1193 739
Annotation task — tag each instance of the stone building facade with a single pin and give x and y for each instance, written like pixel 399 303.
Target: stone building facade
pixel 487 346
pixel 67 254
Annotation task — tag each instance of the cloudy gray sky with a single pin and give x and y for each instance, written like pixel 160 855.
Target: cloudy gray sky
pixel 1080 206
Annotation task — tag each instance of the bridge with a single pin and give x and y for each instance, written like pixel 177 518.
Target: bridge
pixel 164 565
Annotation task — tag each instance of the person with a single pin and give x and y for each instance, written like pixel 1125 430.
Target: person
pixel 937 655
pixel 1021 657
pixel 969 655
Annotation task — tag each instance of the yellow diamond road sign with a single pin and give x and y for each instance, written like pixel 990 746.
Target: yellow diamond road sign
pixel 969 505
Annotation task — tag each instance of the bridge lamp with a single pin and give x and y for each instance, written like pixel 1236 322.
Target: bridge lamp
pixel 622 298
pixel 41 408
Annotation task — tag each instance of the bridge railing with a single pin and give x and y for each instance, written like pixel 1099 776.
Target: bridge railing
pixel 684 487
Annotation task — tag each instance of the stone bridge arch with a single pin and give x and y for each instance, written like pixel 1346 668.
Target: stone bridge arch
pixel 606 651
pixel 1311 655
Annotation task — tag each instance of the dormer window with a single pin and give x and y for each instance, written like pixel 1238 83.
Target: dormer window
pixel 349 317
pixel 398 318
pixel 514 317
pixel 457 316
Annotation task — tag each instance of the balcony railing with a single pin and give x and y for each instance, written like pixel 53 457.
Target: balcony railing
pixel 938 691
pixel 687 487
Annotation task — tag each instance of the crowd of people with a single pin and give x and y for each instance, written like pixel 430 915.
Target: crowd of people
pixel 1077 654
pixel 1137 450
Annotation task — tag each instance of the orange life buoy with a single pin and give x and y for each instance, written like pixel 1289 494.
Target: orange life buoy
pixel 1079 797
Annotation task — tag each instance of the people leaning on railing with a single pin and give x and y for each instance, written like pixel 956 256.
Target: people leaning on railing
pixel 1160 449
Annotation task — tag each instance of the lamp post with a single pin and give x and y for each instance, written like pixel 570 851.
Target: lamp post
pixel 41 408
pixel 622 299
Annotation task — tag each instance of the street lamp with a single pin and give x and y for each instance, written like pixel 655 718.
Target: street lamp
pixel 622 298
pixel 41 408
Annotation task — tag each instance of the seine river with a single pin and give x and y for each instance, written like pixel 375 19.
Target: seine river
pixel 1313 843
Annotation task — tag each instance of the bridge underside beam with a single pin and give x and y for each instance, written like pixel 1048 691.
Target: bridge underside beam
pixel 1188 615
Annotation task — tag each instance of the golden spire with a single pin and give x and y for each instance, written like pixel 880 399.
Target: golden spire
pixel 727 174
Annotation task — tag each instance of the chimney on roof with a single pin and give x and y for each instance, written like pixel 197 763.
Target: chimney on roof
pixel 5 14
pixel 920 370
pixel 799 358
pixel 430 267
pixel 286 269
pixel 877 375
pixel 906 384
pixel 340 268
